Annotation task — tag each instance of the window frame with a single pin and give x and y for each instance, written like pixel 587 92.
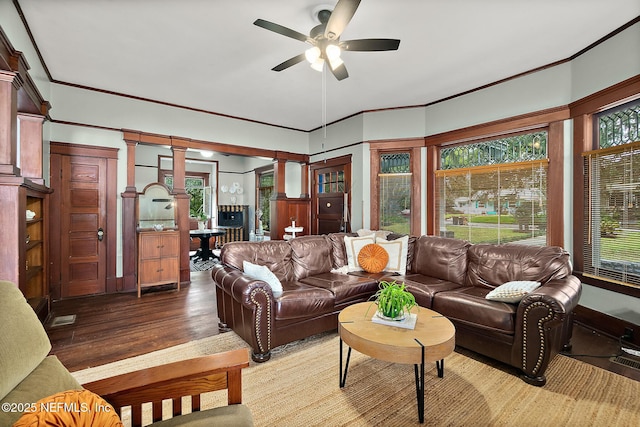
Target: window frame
pixel 584 112
pixel 259 172
pixel 414 148
pixel 552 120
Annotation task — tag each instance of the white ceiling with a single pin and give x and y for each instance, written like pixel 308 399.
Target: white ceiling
pixel 207 54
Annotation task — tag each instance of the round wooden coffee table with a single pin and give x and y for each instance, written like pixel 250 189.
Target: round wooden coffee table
pixel 432 339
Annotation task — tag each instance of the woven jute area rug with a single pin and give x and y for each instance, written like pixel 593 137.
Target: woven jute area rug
pixel 299 386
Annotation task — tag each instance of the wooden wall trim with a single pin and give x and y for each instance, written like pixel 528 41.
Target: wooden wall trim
pixel 68 149
pixel 606 98
pixel 134 136
pixel 488 130
pixel 604 323
pixel 336 161
pixel 555 192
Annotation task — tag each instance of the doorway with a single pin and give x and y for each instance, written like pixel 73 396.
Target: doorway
pixel 330 195
pixel 83 213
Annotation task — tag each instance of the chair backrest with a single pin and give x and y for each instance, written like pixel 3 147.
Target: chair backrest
pixel 23 341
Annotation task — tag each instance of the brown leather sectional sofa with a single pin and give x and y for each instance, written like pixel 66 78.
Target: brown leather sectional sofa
pixel 450 276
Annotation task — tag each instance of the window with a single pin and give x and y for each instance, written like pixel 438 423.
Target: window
pixel 494 191
pixel 264 189
pixel 612 197
pixel 196 187
pixel 395 192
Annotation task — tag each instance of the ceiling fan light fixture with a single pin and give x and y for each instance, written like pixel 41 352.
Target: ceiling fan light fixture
pixel 318 64
pixel 335 63
pixel 333 52
pixel 312 54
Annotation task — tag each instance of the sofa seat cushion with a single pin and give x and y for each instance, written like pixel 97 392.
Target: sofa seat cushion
pixel 222 416
pixel 423 288
pixel 49 377
pixel 345 287
pixel 470 306
pixel 299 300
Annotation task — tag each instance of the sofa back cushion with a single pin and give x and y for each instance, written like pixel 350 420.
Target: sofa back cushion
pixel 441 257
pixel 311 255
pixel 493 265
pixel 275 254
pixel 338 249
pixel 23 342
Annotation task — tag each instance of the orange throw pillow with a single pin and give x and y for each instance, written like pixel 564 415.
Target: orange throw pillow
pixel 373 258
pixel 79 408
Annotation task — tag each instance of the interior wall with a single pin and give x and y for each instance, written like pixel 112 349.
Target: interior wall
pixel 95 113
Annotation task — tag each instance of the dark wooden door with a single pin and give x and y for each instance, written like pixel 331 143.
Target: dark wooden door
pixel 329 195
pixel 83 186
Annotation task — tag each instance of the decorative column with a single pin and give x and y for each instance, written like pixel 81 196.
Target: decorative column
pixel 278 221
pixel 129 220
pixel 182 206
pixel 304 180
pixel 9 85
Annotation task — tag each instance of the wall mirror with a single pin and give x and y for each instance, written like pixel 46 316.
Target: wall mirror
pixel 156 207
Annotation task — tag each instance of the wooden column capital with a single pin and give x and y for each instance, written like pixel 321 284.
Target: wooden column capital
pixel 9 85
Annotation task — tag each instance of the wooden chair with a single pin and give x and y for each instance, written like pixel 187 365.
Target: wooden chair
pixel 29 374
pixel 173 381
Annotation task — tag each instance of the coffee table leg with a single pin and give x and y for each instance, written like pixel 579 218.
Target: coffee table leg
pixel 420 385
pixel 343 377
pixel 440 368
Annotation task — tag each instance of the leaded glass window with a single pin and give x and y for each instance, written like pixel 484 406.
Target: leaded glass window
pixel 494 191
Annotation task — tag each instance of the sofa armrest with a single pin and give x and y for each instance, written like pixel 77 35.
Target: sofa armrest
pixel 190 377
pixel 247 306
pixel 543 321
pixel 241 287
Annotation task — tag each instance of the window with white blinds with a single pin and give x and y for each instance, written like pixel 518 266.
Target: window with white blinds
pixel 612 213
pixel 500 203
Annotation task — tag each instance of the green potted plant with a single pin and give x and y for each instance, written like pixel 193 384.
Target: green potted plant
pixel 202 221
pixel 393 300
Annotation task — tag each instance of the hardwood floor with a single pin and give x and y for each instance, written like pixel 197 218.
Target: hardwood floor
pixel 118 326
pixel 115 327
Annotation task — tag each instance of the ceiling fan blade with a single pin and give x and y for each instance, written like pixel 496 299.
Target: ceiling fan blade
pixel 340 72
pixel 340 17
pixel 289 62
pixel 370 45
pixel 276 28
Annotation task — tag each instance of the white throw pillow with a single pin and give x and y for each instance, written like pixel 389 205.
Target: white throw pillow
pixel 262 272
pixel 353 246
pixel 512 291
pixel 376 233
pixel 397 250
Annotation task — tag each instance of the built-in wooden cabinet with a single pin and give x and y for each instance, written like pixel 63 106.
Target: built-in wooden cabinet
pixel 158 258
pixel 24 243
pixel 33 281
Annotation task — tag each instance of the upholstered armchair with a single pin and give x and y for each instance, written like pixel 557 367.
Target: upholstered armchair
pixel 29 375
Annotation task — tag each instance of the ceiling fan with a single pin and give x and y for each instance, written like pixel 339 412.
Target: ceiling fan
pixel 325 40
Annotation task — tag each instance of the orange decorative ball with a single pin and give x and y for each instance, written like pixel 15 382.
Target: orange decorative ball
pixel 373 258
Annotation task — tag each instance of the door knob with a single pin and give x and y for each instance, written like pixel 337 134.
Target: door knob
pixel 100 234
